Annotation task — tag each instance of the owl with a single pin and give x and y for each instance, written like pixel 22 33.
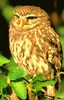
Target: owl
pixel 34 44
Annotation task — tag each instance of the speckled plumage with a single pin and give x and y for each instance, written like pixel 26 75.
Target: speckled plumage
pixel 34 44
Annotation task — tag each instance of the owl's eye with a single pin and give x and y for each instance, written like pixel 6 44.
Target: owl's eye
pixel 17 16
pixel 31 17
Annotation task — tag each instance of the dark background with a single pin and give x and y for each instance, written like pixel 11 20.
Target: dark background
pixel 47 5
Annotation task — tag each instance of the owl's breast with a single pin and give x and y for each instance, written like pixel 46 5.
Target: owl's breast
pixel 33 51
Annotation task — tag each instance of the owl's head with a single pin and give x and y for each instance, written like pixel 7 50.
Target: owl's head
pixel 28 17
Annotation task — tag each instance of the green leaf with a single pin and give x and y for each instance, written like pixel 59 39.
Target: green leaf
pixel 60 30
pixel 3 82
pixel 38 77
pixel 2 98
pixel 62 15
pixel 28 77
pixel 60 93
pixel 38 85
pixel 16 72
pixel 45 98
pixel 20 89
pixel 11 63
pixel 7 12
pixel 62 44
pixel 3 60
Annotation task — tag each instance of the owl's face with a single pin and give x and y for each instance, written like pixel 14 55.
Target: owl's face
pixel 28 17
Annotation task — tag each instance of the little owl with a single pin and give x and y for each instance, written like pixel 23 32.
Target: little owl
pixel 34 44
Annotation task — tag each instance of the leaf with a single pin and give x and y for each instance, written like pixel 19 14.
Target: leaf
pixel 3 60
pixel 11 63
pixel 38 77
pixel 3 82
pixel 7 12
pixel 38 85
pixel 62 44
pixel 60 30
pixel 45 98
pixel 16 72
pixel 2 98
pixel 20 89
pixel 60 93
pixel 28 77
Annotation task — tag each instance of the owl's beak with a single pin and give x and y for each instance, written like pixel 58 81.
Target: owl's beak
pixel 23 22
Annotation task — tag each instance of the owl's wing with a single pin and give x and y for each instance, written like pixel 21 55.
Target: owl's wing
pixel 54 54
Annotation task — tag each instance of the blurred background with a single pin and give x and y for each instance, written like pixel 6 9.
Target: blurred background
pixel 55 9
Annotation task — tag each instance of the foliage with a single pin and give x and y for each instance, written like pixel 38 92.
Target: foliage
pixel 14 78
pixel 3 60
pixel 60 93
pixel 60 30
pixel 20 89
pixel 7 12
